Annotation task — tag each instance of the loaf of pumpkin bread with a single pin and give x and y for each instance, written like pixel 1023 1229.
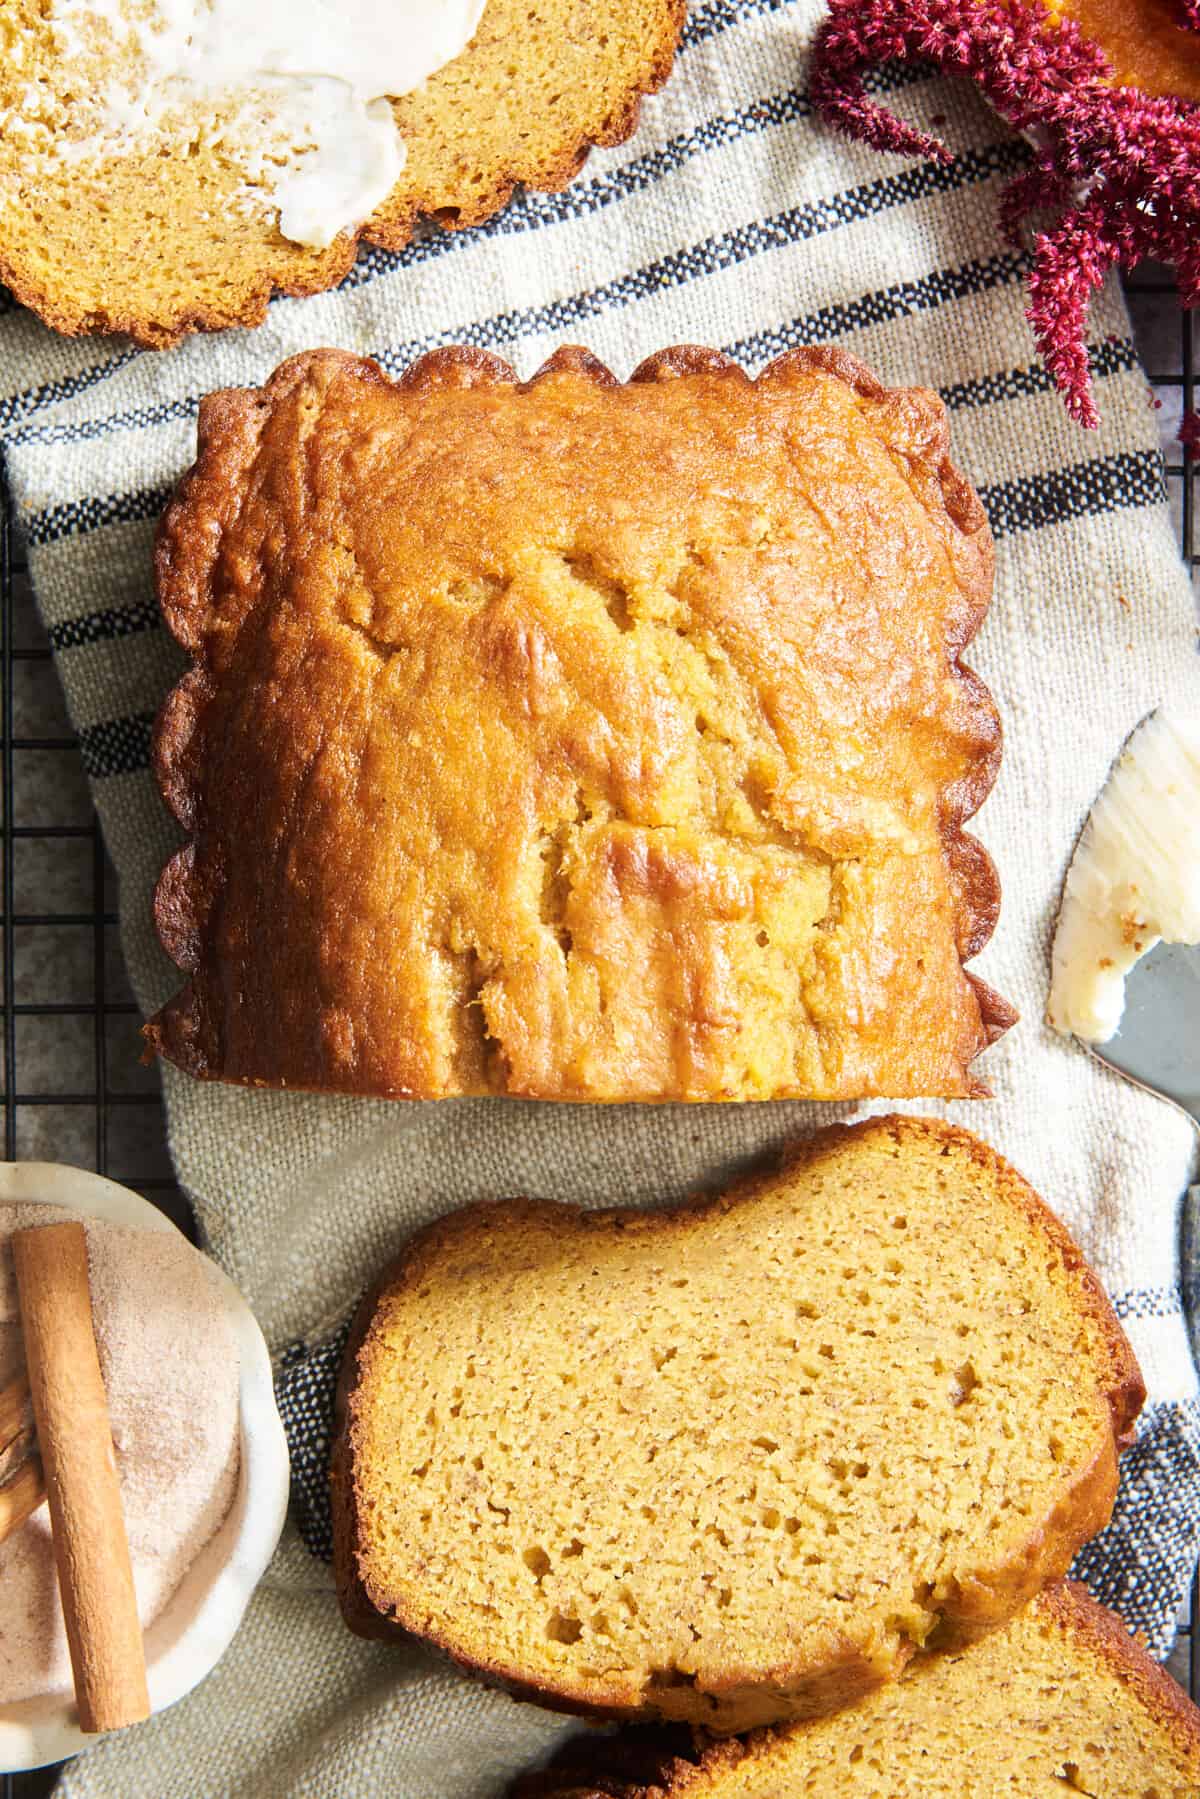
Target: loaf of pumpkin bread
pixel 740 1461
pixel 577 740
pixel 1062 1700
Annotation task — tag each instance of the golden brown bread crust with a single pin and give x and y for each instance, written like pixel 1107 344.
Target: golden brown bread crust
pixel 1098 1629
pixel 432 188
pixel 671 1762
pixel 967 1610
pixel 655 963
pixel 1148 44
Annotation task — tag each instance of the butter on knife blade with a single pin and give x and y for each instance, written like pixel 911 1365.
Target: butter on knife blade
pixel 1134 879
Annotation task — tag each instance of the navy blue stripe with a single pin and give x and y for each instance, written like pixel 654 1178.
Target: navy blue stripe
pixel 75 517
pixel 798 224
pixel 105 625
pixel 1148 1302
pixel 900 300
pixel 62 387
pixel 715 16
pixel 119 746
pixel 1113 357
pixel 530 210
pixel 1083 489
pixel 135 418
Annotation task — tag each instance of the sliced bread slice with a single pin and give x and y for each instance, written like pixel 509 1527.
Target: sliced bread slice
pixel 737 1461
pixel 1061 1700
pixel 114 218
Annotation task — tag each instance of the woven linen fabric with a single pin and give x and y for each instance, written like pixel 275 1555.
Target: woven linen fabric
pixel 731 218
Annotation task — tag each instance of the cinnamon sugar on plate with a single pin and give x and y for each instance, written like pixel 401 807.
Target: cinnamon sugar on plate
pixel 170 1364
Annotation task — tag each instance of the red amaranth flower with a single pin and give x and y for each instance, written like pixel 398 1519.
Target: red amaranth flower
pixel 1189 432
pixel 1119 168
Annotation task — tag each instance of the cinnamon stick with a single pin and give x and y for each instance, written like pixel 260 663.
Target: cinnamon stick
pixel 21 1496
pixel 91 1549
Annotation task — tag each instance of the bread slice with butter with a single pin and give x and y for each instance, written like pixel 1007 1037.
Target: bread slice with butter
pixel 138 186
pixel 739 1461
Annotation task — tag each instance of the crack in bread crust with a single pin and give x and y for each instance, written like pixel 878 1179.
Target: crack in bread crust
pixel 621 821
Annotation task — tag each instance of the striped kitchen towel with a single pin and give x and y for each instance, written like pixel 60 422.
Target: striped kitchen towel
pixel 731 218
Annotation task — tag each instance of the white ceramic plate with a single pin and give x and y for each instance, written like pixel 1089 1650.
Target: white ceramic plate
pixel 198 1623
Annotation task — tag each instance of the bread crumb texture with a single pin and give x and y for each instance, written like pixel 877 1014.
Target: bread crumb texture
pixel 171 229
pixel 735 1462
pixel 1061 1701
pixel 577 740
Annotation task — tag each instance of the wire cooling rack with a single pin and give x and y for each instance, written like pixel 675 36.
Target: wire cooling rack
pixel 74 1087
